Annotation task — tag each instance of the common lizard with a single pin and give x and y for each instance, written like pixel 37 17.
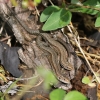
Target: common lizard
pixel 53 60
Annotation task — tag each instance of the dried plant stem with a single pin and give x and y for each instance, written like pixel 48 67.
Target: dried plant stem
pixel 93 61
pixel 51 2
pixel 83 54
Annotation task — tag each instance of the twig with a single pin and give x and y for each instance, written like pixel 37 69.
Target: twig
pixel 92 55
pixel 51 2
pixel 37 11
pixel 6 38
pixel 83 52
pixel 90 59
pixel 23 79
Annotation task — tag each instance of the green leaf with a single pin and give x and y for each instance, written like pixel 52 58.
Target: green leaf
pixel 95 3
pixel 97 22
pixel 57 20
pixel 86 80
pixel 37 1
pixel 1 98
pixel 87 11
pixel 57 94
pixel 75 95
pixel 48 77
pixel 47 12
pixel 76 8
pixel 75 2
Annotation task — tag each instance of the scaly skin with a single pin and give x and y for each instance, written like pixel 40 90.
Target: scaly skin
pixel 62 51
pixel 52 57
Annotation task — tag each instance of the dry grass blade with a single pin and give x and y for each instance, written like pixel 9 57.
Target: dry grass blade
pixel 73 31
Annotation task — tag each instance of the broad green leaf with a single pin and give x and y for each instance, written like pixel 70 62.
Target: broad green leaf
pixel 57 20
pixel 48 77
pixel 97 22
pixel 86 80
pixel 47 12
pixel 75 95
pixel 57 94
